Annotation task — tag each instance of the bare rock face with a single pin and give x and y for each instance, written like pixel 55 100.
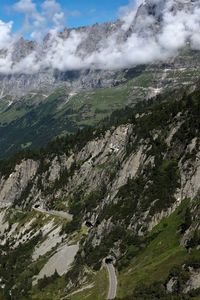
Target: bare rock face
pixel 194 282
pixel 48 78
pixel 98 156
pixel 149 17
pixel 12 187
pixel 20 84
pixel 22 49
pixel 56 167
pixel 61 262
pixel 190 172
pixel 147 22
pixel 132 175
pixel 171 284
pixel 99 160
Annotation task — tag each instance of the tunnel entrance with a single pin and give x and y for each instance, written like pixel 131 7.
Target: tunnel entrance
pixel 108 260
pixel 88 224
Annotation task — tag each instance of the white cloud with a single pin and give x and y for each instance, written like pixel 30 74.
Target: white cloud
pixel 5 34
pixel 25 6
pixel 38 21
pixel 61 53
pixel 51 6
pixel 151 41
pixel 127 13
pixel 51 10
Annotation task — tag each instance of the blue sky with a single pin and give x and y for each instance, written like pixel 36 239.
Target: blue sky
pixel 78 12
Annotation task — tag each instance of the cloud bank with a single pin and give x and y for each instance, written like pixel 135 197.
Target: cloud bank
pixel 155 31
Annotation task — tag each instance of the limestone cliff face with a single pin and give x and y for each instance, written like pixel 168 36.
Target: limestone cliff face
pixel 94 38
pixel 105 160
pixel 78 199
pixel 12 187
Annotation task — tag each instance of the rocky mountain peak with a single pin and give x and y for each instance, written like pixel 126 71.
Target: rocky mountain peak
pixel 31 64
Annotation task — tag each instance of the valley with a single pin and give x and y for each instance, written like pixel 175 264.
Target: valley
pixel 100 153
pixel 102 180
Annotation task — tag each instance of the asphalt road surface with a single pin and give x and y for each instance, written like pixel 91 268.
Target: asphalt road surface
pixel 61 214
pixel 112 281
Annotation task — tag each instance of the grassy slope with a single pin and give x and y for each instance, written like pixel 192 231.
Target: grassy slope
pixel 56 289
pixel 99 290
pixel 152 264
pixel 24 273
pixel 24 124
pixel 157 259
pixel 34 120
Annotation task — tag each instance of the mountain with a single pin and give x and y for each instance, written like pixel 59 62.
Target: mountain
pixel 41 92
pixel 128 190
pixel 99 167
pixel 25 123
pixel 32 65
pixel 48 79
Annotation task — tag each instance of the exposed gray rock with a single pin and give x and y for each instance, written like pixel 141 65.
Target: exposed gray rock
pixel 12 187
pixel 194 282
pixel 171 284
pixel 147 22
pixel 190 177
pixel 60 262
